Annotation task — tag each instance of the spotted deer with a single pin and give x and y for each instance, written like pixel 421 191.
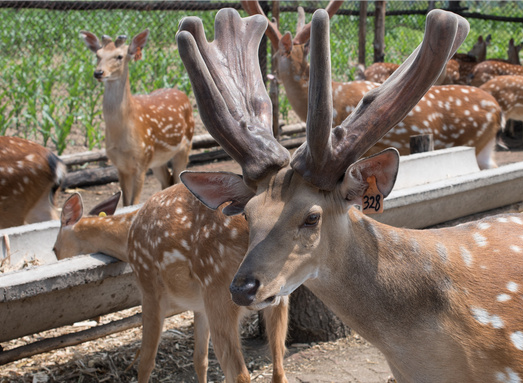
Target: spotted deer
pixel 487 70
pixel 442 305
pixel 508 92
pixel 379 72
pixel 30 175
pixel 467 61
pixel 141 131
pixel 184 257
pixel 454 115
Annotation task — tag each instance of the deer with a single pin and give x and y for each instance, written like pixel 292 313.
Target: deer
pixel 30 176
pixel 442 305
pixel 487 70
pixel 455 115
pixel 184 257
pixel 467 61
pixel 508 92
pixel 381 71
pixel 142 131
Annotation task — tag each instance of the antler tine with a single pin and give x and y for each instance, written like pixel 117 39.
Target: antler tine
pixel 230 92
pixel 106 40
pixel 120 40
pixel 303 35
pixel 273 33
pixel 384 107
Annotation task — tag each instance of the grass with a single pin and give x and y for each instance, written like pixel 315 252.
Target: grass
pixel 47 88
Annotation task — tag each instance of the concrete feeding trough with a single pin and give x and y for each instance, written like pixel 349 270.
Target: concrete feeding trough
pixel 431 188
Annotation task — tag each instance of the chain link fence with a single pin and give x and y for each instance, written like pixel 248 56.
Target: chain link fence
pixel 48 93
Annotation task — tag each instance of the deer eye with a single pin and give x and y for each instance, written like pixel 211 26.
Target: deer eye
pixel 312 220
pixel 119 57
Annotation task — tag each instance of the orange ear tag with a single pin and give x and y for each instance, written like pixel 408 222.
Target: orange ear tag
pixel 372 199
pixel 138 54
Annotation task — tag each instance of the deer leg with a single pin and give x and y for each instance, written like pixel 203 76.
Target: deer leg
pixel 179 162
pixel 163 175
pixel 485 157
pixel 276 323
pixel 225 337
pixel 126 184
pixel 201 346
pixel 138 182
pixel 153 314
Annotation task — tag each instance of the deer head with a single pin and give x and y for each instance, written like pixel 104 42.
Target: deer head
pixel 297 208
pixel 114 57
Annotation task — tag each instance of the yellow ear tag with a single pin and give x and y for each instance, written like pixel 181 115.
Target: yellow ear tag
pixel 102 214
pixel 372 199
pixel 138 54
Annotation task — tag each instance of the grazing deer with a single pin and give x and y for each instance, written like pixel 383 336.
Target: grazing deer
pixel 454 115
pixel 142 131
pixel 30 175
pixel 379 72
pixel 184 257
pixel 442 305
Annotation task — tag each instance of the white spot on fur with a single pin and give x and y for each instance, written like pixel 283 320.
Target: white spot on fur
pixel 517 339
pixel 483 317
pixel 509 376
pixel 512 287
pixel 480 240
pixel 467 257
pixel 503 297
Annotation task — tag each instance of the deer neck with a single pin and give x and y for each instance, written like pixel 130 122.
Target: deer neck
pixel 294 75
pixel 373 271
pixel 106 235
pixel 118 103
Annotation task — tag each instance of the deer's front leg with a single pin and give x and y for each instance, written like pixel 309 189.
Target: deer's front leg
pixel 223 320
pixel 276 324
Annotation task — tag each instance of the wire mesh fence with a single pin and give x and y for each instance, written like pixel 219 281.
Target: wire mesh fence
pixel 47 89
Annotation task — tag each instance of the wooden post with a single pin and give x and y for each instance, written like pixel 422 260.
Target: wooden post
pixel 379 31
pixel 362 35
pixel 421 143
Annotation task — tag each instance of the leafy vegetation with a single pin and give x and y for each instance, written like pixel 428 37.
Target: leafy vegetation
pixel 47 89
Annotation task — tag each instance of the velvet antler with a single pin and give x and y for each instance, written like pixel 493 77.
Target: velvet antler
pixel 230 92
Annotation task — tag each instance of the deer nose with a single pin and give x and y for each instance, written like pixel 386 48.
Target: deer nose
pixel 243 290
pixel 98 73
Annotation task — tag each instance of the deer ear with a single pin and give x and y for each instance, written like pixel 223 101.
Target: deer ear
pixel 139 41
pixel 383 166
pixel 72 210
pixel 214 189
pixel 285 44
pixel 91 41
pixel 108 206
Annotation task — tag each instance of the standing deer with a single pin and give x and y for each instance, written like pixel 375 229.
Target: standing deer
pixel 454 115
pixel 30 175
pixel 442 305
pixel 467 61
pixel 142 131
pixel 184 257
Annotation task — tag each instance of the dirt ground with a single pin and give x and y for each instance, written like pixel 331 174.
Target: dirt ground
pixel 349 359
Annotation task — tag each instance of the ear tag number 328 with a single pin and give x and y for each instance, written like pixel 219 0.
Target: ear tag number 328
pixel 372 199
